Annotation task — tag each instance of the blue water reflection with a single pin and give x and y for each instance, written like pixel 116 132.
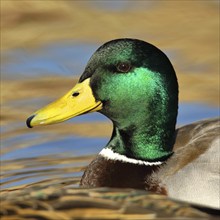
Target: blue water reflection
pixel 191 112
pixel 55 59
pixel 74 146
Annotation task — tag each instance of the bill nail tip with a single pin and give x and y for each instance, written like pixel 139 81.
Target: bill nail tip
pixel 28 121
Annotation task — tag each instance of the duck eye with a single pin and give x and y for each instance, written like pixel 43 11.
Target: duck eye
pixel 123 67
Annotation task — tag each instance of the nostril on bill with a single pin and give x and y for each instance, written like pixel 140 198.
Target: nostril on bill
pixel 75 94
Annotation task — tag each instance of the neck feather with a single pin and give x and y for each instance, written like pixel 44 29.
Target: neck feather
pixel 111 155
pixel 150 134
pixel 144 127
pixel 139 144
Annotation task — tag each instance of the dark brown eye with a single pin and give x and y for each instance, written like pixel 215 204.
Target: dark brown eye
pixel 123 67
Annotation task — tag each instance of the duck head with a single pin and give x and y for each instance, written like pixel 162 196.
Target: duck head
pixel 134 84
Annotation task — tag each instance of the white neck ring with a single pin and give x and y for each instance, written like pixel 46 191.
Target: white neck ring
pixel 111 155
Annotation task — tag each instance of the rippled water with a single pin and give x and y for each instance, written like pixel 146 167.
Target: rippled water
pixel 56 153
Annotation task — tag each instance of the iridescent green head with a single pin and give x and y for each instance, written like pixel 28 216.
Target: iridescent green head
pixel 134 84
pixel 138 87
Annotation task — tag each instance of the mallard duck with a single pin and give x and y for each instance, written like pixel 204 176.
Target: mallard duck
pixel 134 84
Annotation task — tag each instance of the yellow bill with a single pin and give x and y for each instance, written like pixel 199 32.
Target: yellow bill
pixel 77 101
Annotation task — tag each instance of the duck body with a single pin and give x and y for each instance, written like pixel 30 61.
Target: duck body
pixel 195 160
pixel 134 84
